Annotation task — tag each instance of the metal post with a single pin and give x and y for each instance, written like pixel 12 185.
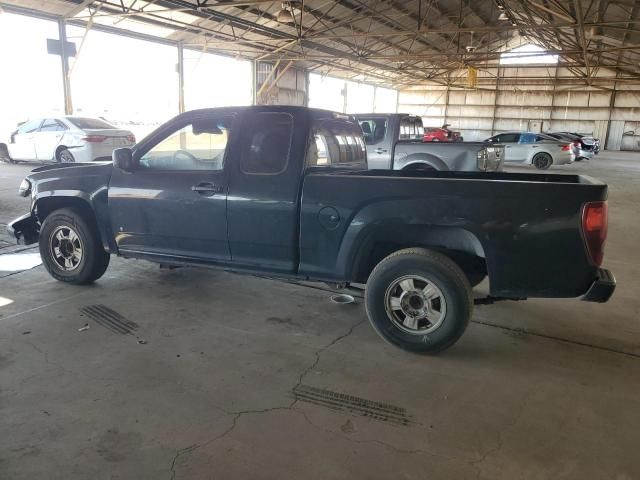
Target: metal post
pixel 66 84
pixel 495 102
pixel 306 87
pixel 612 106
pixel 345 92
pixel 375 92
pixel 446 103
pixel 254 83
pixel 180 77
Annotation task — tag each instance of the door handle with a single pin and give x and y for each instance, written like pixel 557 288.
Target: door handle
pixel 207 189
pixel 380 150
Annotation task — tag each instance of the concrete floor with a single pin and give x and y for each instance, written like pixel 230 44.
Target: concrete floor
pixel 225 376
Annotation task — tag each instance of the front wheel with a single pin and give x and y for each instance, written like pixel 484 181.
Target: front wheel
pixel 70 248
pixel 542 161
pixel 419 300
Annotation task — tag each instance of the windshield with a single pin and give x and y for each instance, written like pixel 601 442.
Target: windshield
pixel 90 123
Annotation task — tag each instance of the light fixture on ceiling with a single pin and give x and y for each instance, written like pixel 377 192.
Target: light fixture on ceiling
pixel 503 16
pixel 285 15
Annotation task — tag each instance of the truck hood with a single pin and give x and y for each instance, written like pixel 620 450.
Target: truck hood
pixel 57 166
pixel 71 176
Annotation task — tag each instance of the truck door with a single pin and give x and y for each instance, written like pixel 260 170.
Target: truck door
pixel 263 192
pixel 174 203
pixel 377 140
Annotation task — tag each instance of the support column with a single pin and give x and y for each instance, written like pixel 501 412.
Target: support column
pixel 180 47
pixel 254 83
pixel 345 92
pixel 495 103
pixel 66 84
pixel 306 87
pixel 446 103
pixel 375 93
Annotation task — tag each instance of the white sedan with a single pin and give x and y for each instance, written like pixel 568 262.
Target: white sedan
pixel 535 149
pixel 66 139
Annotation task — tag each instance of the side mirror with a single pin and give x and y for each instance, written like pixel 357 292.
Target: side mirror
pixel 123 159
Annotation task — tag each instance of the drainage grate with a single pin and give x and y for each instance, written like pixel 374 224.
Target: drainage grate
pixel 354 405
pixel 109 319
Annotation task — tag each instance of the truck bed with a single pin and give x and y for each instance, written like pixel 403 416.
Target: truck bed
pixel 526 225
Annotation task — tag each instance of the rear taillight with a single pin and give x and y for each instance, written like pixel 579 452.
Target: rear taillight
pixel 566 148
pixel 94 138
pixel 594 229
pixel 131 138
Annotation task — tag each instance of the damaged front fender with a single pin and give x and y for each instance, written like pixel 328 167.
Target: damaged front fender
pixel 25 229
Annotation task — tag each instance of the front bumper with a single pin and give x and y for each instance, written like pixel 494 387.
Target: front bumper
pixel 602 288
pixel 25 229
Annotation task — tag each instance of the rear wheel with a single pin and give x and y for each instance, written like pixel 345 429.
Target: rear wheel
pixel 419 300
pixel 70 248
pixel 63 155
pixel 542 161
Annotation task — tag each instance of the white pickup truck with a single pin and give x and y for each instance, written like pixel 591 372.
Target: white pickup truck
pixel 394 142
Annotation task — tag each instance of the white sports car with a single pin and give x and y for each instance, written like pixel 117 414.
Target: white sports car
pixel 65 139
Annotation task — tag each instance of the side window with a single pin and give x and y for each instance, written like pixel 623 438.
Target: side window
pixel 419 129
pixel 405 128
pixel 30 126
pixel 200 145
pixel 508 138
pixel 527 138
pixel 51 125
pixel 266 151
pixel 374 129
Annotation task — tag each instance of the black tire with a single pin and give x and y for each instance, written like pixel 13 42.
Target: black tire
pixel 439 271
pixel 93 261
pixel 63 155
pixel 542 161
pixel 579 159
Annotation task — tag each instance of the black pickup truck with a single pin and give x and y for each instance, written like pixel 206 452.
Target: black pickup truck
pixel 285 191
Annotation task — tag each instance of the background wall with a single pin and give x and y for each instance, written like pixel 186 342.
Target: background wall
pixel 508 99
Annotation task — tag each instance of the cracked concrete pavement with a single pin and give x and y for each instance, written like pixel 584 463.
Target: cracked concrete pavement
pixel 533 390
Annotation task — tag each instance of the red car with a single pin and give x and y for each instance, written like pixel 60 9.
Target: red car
pixel 443 134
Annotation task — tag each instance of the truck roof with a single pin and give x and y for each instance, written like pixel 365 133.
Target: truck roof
pixel 314 112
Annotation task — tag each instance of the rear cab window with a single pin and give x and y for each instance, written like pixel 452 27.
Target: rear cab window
pixel 411 128
pixel 336 142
